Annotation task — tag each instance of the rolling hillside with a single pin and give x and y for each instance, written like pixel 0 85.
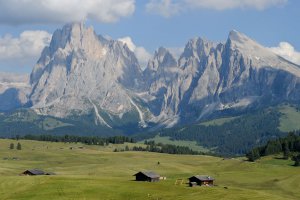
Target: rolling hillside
pixel 93 172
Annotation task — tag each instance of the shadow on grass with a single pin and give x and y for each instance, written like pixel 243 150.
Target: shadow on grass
pixel 280 158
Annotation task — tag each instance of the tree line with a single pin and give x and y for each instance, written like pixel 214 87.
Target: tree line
pixel 151 146
pixel 288 146
pixel 88 140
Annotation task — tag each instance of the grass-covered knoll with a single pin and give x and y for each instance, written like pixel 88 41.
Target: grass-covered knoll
pixel 218 122
pixel 290 119
pixel 167 140
pixel 95 172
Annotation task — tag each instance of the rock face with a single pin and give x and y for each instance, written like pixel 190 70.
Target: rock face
pixel 81 73
pixel 239 74
pixel 14 90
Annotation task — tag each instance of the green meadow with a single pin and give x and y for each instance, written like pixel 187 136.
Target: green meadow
pixel 167 140
pixel 289 121
pixel 95 172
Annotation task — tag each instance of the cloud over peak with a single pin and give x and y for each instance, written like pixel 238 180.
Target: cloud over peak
pixel 24 50
pixel 62 11
pixel 141 53
pixel 287 51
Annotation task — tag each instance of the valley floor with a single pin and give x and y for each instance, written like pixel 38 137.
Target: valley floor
pixel 95 172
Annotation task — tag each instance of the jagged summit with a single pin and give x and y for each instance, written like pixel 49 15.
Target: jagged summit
pixel 257 54
pixel 83 74
pixel 237 36
pixel 197 47
pixel 77 73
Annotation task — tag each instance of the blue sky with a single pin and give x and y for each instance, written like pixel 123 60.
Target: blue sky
pixel 26 26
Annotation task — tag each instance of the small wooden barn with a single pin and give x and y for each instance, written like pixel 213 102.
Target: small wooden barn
pixel 202 180
pixel 36 172
pixel 33 172
pixel 147 176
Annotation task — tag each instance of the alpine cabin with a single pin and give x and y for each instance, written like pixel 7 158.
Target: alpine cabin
pixel 147 176
pixel 202 180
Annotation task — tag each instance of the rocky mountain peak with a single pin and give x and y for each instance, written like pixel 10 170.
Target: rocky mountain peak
pixel 73 34
pixel 162 58
pixel 81 73
pixel 237 36
pixel 197 47
pixel 241 41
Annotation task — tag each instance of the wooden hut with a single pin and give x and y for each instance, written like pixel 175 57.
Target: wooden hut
pixel 36 172
pixel 147 176
pixel 202 180
pixel 33 172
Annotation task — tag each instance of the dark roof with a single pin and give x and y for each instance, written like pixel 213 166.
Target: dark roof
pixel 149 174
pixel 203 178
pixel 35 171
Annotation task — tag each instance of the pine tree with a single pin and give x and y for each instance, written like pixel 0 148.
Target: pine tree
pixel 253 155
pixel 297 160
pixel 11 146
pixel 19 147
pixel 286 151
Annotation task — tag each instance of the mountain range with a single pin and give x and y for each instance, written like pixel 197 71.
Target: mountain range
pixel 85 77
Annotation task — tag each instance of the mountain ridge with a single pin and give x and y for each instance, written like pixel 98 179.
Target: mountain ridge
pixel 81 73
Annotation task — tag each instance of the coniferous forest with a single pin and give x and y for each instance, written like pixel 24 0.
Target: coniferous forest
pixel 288 146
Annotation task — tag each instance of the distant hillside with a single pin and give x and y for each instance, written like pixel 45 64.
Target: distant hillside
pixel 232 135
pixel 236 135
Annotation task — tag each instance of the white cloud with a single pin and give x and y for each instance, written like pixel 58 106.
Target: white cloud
pixel 233 4
pixel 57 11
pixel 287 51
pixel 168 8
pixel 23 50
pixel 141 53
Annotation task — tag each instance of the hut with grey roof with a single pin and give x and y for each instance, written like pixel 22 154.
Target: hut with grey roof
pixel 36 172
pixel 33 172
pixel 147 176
pixel 201 180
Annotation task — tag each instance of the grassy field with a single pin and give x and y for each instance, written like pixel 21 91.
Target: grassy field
pixel 191 144
pixel 290 119
pixel 93 172
pixel 218 122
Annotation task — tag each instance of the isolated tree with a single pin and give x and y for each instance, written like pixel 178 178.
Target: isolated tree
pixel 19 147
pixel 11 146
pixel 253 155
pixel 297 160
pixel 126 148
